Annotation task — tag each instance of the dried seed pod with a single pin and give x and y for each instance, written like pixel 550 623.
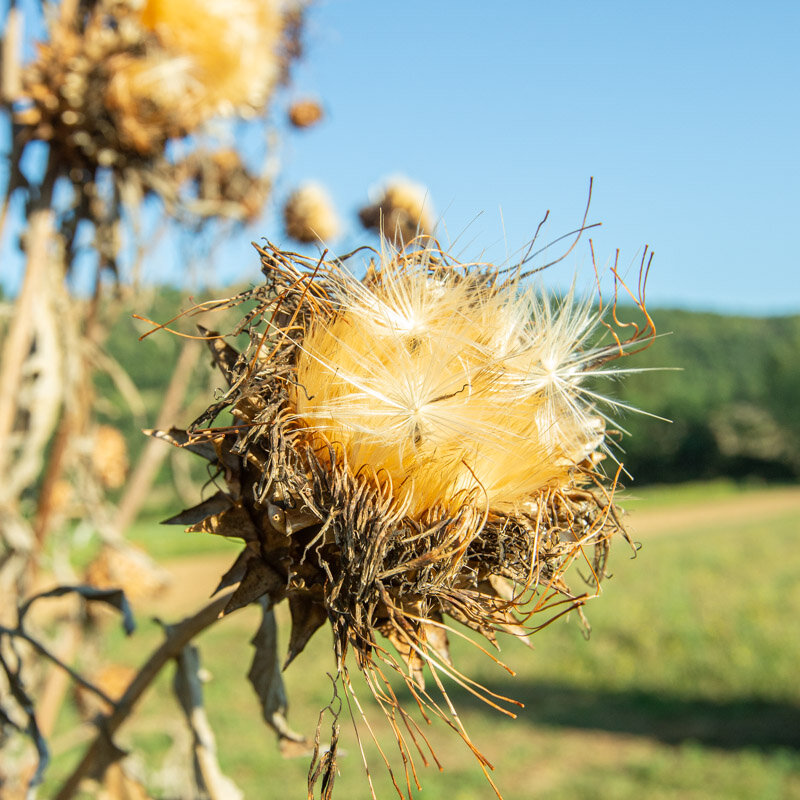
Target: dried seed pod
pixel 309 215
pixel 123 566
pixel 401 211
pixel 411 450
pixel 305 113
pixel 109 456
pixel 111 92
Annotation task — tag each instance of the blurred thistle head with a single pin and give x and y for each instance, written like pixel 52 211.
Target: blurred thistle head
pixel 112 86
pixel 109 456
pixel 305 113
pixel 411 450
pixel 400 211
pixel 224 54
pixel 309 215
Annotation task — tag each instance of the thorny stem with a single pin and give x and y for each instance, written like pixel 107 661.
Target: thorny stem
pixel 101 752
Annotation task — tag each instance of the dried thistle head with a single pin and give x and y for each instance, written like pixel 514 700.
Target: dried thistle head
pixel 125 566
pixel 309 215
pixel 400 211
pixel 137 75
pixel 305 113
pixel 119 80
pixel 225 53
pixel 410 450
pixel 109 456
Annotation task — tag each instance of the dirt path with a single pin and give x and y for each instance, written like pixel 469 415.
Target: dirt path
pixel 747 507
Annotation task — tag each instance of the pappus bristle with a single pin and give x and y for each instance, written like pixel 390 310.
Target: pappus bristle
pixel 450 387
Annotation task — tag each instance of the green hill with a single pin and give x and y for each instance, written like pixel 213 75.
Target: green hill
pixel 734 404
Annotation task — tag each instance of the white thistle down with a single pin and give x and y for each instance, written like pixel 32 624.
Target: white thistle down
pixel 453 388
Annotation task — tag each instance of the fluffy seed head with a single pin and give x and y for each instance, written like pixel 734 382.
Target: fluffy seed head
pixel 451 387
pixel 400 212
pixel 222 53
pixel 309 214
pixel 410 450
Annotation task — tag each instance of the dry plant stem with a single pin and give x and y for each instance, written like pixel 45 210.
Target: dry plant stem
pixel 101 752
pixel 55 688
pixel 74 419
pixel 20 333
pixel 12 65
pixel 52 475
pixel 155 451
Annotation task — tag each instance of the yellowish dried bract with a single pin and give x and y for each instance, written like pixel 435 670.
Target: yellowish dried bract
pixel 309 215
pixel 400 212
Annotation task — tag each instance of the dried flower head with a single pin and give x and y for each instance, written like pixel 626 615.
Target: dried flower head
pixel 224 54
pixel 305 113
pixel 119 80
pixel 401 211
pixel 309 215
pixel 410 448
pixel 137 76
pixel 123 566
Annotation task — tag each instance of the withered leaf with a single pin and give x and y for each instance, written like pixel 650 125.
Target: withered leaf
pixel 235 522
pixel 459 616
pixel 308 615
pixel 235 572
pixel 112 597
pixel 188 688
pixel 499 593
pixel 412 659
pixel 265 675
pixel 259 579
pixel 225 357
pixel 183 439
pixel 436 638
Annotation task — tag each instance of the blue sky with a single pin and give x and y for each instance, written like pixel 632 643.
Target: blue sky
pixel 685 114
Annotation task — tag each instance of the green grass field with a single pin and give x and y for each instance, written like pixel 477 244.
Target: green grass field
pixel 687 688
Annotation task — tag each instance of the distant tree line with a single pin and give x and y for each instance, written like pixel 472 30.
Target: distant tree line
pixel 733 404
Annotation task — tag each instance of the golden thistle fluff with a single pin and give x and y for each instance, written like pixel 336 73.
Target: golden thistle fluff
pixel 452 387
pixel 219 57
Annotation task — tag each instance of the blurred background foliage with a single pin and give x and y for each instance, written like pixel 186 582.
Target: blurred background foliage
pixel 733 404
